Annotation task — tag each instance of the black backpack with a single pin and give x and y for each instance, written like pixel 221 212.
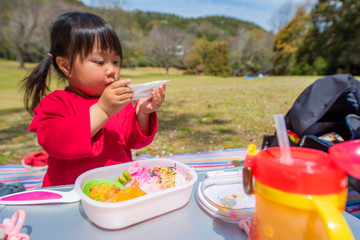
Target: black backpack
pixel 325 113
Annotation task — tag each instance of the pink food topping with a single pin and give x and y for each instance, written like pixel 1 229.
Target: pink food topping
pixel 141 174
pixel 156 179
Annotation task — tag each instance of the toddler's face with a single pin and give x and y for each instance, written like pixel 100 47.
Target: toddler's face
pixel 93 74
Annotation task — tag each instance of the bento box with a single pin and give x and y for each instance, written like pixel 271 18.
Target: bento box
pixel 123 214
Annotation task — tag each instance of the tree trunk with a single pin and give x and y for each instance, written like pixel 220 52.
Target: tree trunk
pixel 21 59
pixel 26 21
pixel 167 64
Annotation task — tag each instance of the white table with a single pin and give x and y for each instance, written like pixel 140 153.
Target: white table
pixel 68 221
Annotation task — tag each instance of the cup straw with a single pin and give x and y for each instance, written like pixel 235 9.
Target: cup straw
pixel 283 139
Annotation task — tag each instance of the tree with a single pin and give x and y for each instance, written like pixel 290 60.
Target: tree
pixel 7 48
pixel 282 16
pixel 196 58
pixel 26 31
pixel 332 41
pixel 164 44
pixel 217 60
pixel 24 23
pixel 250 52
pixel 287 42
pixel 206 30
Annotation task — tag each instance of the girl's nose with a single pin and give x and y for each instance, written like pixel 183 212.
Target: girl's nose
pixel 110 72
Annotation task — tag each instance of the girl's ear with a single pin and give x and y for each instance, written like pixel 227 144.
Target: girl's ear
pixel 63 64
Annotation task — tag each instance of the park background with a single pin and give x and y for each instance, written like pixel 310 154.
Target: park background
pixel 228 76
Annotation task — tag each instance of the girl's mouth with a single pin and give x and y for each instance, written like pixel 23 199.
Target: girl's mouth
pixel 108 84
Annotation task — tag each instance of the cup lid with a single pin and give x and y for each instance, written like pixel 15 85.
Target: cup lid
pixel 312 171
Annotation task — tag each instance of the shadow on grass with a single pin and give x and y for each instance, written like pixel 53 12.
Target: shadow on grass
pixel 4 112
pixel 15 125
pixel 172 121
pixel 16 141
pixel 191 127
pixel 220 121
pixel 14 131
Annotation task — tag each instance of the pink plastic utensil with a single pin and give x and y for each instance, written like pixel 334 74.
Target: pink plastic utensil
pixel 346 155
pixel 12 227
pixel 40 197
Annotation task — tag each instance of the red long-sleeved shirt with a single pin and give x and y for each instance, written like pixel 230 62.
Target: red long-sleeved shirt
pixel 62 125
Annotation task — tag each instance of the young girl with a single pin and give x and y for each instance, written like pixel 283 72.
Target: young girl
pixel 92 123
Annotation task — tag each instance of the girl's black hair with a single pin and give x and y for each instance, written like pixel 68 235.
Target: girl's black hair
pixel 72 34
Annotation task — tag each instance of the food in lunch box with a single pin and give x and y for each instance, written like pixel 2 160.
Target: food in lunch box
pixel 97 191
pixel 156 179
pixel 125 177
pixel 106 193
pixel 116 194
pixel 138 181
pixel 122 179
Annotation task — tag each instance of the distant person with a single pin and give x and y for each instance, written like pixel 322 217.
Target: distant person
pixel 92 122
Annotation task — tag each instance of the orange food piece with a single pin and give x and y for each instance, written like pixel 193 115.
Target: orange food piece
pixel 129 193
pixel 97 191
pixel 110 194
pixel 115 194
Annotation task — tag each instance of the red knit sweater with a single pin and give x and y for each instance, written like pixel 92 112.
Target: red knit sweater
pixel 62 125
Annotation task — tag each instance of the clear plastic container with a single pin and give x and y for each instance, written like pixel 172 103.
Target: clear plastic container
pixel 223 197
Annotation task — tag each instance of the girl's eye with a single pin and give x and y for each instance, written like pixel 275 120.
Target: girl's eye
pixel 99 62
pixel 116 63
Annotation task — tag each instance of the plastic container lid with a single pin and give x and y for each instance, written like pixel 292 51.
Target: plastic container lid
pixel 312 172
pixel 224 198
pixel 347 156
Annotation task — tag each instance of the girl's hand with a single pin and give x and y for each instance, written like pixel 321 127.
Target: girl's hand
pixel 115 97
pixel 149 105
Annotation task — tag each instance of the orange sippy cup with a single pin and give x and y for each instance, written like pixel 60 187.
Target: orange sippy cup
pixel 301 199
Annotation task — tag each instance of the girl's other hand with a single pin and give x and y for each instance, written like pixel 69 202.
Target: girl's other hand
pixel 115 97
pixel 149 105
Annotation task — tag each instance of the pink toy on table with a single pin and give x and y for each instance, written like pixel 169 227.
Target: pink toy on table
pixel 13 226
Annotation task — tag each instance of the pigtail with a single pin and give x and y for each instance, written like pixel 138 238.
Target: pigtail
pixel 35 86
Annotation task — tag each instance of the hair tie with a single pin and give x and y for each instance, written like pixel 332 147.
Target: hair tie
pixel 50 55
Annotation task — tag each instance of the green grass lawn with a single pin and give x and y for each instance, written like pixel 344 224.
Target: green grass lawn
pixel 200 113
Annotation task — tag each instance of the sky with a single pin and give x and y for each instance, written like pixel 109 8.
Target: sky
pixel 260 12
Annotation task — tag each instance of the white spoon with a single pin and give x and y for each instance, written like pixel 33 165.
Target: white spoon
pixel 40 197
